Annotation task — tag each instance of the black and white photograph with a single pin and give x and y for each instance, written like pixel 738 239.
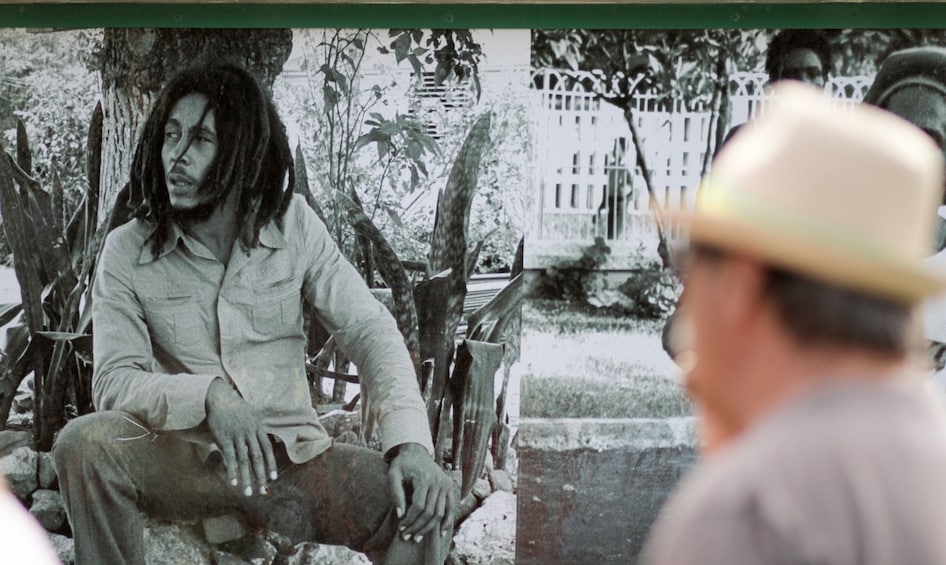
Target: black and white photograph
pixel 260 293
pixel 632 379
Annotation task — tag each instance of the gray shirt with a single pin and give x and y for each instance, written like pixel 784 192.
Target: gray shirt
pixel 851 474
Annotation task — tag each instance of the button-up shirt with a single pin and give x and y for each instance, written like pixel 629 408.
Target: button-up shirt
pixel 167 324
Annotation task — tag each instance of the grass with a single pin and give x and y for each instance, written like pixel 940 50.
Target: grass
pixel 582 362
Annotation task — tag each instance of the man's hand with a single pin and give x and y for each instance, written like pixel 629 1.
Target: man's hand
pixel 433 495
pixel 239 433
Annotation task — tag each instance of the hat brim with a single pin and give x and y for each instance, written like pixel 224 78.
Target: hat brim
pixel 901 279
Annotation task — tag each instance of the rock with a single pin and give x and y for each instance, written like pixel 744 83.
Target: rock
pixel 337 422
pixel 488 536
pixel 20 469
pixel 481 489
pixel 512 465
pixel 310 553
pixel 251 547
pixel 223 558
pixel 65 547
pixel 350 438
pixel 170 544
pixel 47 472
pixel 12 439
pixel 48 509
pixel 23 397
pixel 501 481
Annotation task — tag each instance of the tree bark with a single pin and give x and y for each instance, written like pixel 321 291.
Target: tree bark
pixel 136 63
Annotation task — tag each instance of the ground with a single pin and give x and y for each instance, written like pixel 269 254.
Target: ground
pixel 583 362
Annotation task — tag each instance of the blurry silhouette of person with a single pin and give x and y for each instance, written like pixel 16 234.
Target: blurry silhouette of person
pixel 822 440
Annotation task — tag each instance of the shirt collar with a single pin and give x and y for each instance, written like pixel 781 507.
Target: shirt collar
pixel 269 236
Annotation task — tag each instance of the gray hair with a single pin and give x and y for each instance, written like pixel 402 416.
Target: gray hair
pixel 815 312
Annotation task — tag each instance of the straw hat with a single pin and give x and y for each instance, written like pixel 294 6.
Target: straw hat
pixel 843 195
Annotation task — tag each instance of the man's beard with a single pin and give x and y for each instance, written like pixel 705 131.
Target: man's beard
pixel 185 217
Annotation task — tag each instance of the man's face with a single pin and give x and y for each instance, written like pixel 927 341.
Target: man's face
pixel 189 148
pixel 804 65
pixel 923 107
pixel 703 299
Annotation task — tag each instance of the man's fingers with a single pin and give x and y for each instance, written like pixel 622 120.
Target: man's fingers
pixel 432 514
pixel 397 490
pixel 414 516
pixel 243 466
pixel 450 510
pixel 268 456
pixel 230 462
pixel 258 465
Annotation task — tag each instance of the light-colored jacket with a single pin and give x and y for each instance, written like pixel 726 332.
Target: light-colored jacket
pixel 167 325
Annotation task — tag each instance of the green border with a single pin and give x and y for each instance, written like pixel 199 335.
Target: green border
pixel 663 16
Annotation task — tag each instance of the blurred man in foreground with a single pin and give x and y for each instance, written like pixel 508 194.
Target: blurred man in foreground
pixel 822 441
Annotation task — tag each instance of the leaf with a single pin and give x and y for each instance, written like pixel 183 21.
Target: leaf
pixel 373 136
pixel 395 217
pixel 401 45
pixel 415 62
pixel 414 149
pixel 358 43
pixel 24 157
pixel 8 312
pixel 330 96
pixel 62 336
pixel 384 148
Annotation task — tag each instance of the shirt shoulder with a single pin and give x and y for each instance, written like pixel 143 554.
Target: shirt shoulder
pixel 128 240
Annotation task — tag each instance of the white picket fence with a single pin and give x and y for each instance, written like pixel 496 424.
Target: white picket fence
pixel 586 174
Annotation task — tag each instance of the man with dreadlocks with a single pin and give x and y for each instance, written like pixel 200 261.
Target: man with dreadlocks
pixel 199 379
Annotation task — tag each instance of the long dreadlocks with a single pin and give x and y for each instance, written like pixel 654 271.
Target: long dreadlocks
pixel 252 161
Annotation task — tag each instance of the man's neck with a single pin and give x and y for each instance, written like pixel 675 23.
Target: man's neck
pixel 793 370
pixel 218 232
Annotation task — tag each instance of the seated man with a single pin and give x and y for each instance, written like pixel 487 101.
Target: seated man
pixel 199 378
pixel 823 442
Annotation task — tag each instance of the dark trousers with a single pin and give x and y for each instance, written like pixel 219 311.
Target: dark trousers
pixel 112 469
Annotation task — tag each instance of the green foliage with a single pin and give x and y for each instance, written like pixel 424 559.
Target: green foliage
pixel 455 52
pixel 47 83
pixel 573 279
pixel 677 65
pixel 653 290
pixel 385 153
pixel 54 261
pixel 344 113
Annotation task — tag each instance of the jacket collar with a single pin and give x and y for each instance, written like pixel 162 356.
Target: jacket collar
pixel 269 236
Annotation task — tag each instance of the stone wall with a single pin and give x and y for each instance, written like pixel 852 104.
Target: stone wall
pixel 589 489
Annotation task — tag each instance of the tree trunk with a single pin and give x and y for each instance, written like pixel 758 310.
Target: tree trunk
pixel 136 63
pixel 663 249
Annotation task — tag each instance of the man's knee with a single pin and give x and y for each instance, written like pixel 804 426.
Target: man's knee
pixel 87 437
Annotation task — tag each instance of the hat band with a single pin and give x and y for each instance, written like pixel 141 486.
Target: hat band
pixel 747 208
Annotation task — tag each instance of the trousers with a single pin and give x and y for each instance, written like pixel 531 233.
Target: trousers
pixel 113 471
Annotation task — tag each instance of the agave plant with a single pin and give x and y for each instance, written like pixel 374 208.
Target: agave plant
pixel 48 332
pixel 428 315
